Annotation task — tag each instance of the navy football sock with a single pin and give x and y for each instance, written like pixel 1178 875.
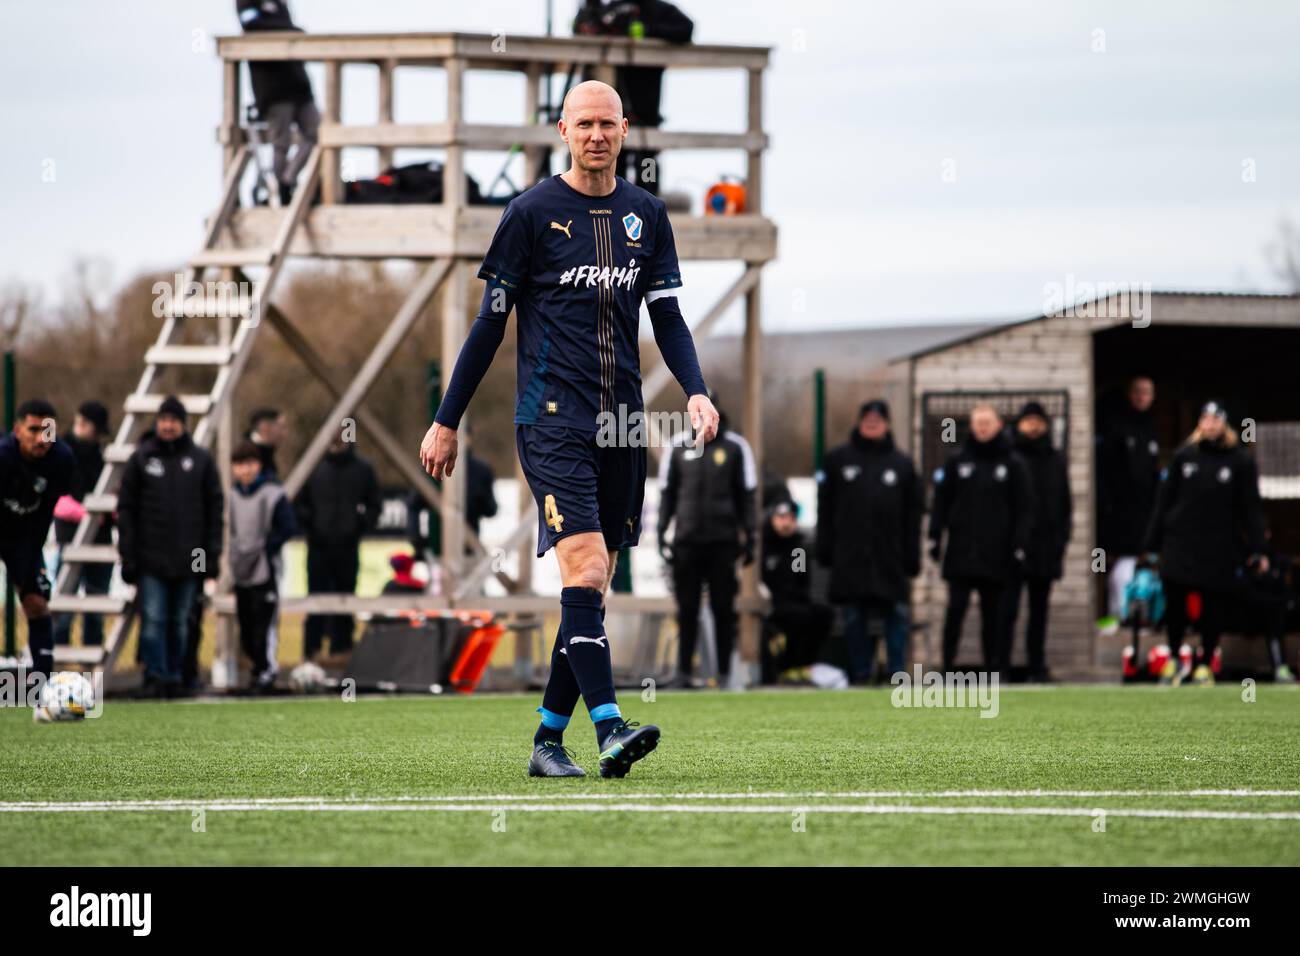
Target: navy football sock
pixel 587 649
pixel 560 697
pixel 40 641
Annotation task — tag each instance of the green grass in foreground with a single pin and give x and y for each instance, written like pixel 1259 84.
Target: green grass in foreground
pixel 788 744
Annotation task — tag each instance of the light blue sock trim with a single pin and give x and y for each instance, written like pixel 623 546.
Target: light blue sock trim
pixel 553 720
pixel 605 712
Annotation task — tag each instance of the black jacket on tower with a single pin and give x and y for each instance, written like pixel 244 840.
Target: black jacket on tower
pixel 339 503
pixel 1208 515
pixel 868 520
pixel 169 504
pixel 984 500
pixel 274 81
pixel 1053 512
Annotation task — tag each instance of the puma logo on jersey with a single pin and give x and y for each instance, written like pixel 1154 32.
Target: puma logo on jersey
pixel 564 229
pixel 588 640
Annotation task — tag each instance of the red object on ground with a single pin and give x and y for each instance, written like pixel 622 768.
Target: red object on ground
pixel 474 656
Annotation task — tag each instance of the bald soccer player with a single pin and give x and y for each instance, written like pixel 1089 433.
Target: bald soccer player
pixel 575 256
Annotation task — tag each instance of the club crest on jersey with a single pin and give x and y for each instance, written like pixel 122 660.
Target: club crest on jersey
pixel 965 469
pixel 1189 469
pixel 889 476
pixel 39 484
pixel 632 226
pixel 851 472
pixel 1225 474
pixel 1000 473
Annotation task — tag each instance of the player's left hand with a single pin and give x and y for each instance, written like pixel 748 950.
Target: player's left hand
pixel 438 451
pixel 704 418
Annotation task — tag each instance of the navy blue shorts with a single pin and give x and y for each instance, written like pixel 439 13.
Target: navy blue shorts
pixel 25 566
pixel 581 486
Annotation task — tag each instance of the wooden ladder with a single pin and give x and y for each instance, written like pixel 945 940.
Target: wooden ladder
pixel 228 361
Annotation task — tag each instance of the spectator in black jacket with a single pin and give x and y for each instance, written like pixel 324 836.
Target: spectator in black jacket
pixel 984 502
pixel 283 94
pixel 708 494
pixel 1208 521
pixel 869 535
pixel 639 87
pixel 169 512
pixel 337 506
pixel 1128 471
pixel 89 432
pixel 1050 527
pixel 800 625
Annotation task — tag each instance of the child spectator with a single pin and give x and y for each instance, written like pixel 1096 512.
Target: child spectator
pixel 261 521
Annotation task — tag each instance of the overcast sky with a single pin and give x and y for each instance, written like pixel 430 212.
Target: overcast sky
pixel 929 161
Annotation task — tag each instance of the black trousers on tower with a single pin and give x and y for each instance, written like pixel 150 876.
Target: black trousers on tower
pixel 1040 592
pixel 959 592
pixel 695 565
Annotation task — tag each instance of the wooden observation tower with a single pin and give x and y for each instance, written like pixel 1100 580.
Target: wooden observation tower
pixel 214 338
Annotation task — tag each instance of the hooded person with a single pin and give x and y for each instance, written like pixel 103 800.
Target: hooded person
pixel 1051 524
pixel 1207 524
pixel 337 506
pixel 983 505
pixel 869 536
pixel 169 518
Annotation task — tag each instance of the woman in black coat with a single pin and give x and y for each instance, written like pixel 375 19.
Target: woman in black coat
pixel 1208 517
pixel 1050 526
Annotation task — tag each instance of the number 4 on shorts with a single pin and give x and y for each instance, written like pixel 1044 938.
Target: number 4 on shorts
pixel 554 519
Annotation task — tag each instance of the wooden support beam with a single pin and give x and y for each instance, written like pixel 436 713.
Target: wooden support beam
pixel 386 68
pixel 331 187
pixel 230 134
pixel 751 624
pixel 362 382
pixel 754 162
pixel 453 486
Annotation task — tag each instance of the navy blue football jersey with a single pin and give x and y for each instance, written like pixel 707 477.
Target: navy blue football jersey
pixel 579 267
pixel 29 489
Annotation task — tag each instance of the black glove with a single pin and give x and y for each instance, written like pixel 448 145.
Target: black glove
pixel 213 569
pixel 130 573
pixel 747 551
pixel 936 551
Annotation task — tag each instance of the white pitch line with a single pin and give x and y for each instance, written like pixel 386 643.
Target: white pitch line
pixel 221 802
pixel 867 809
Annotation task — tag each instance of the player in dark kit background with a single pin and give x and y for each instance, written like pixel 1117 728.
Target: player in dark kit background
pixel 575 256
pixel 36 469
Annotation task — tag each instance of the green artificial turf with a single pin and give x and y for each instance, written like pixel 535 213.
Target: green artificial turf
pixel 783 748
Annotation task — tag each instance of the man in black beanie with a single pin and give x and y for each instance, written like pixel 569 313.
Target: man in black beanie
pixel 869 535
pixel 169 513
pixel 1051 524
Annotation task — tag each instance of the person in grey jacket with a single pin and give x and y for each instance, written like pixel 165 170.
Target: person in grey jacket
pixel 261 521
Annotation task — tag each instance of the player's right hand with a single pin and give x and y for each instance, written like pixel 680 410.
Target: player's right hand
pixel 438 451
